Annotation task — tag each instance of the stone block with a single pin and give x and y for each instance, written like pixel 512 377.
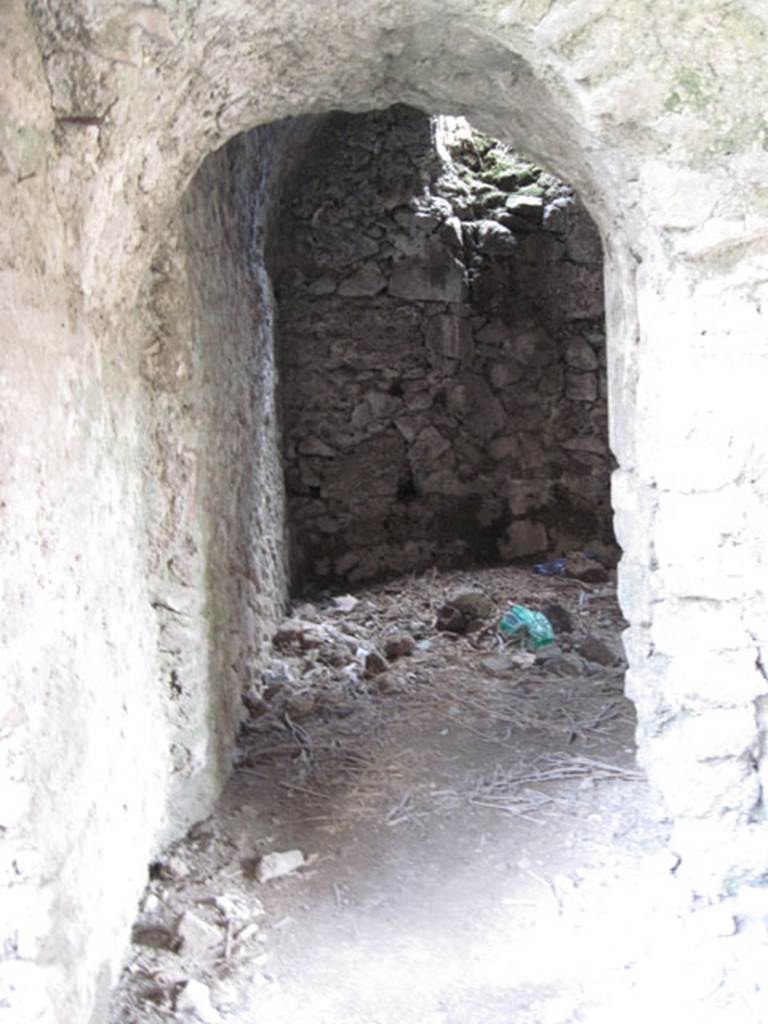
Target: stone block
pixel 449 337
pixel 475 406
pixel 429 454
pixel 502 448
pixel 698 679
pixel 556 215
pixel 494 239
pixel 594 445
pixel 410 426
pixel 532 346
pixel 583 243
pixel 364 283
pixel 502 374
pixel 703 765
pixel 198 938
pixel 524 495
pixel 493 334
pixel 552 380
pixel 325 285
pixel 580 355
pixel 581 387
pixel 315 446
pixel 707 545
pixel 436 277
pixel 529 208
pixel 681 625
pixel 523 538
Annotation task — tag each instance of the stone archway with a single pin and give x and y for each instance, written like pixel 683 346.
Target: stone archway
pixel 110 113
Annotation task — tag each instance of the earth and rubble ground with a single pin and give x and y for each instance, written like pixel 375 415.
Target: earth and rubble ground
pixel 427 826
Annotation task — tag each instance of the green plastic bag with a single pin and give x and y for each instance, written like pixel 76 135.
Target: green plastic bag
pixel 519 620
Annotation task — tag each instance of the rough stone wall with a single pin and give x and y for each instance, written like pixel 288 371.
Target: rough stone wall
pixel 160 570
pixel 655 113
pixel 212 468
pixel 443 353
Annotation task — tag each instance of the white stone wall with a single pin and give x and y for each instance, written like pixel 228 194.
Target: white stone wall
pixel 655 113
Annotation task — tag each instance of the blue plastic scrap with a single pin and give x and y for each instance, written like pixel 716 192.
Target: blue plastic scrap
pixel 553 568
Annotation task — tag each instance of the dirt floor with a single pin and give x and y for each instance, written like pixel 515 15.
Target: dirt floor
pixel 466 838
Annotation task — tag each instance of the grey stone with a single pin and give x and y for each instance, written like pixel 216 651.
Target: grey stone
pixel 449 337
pixel 533 347
pixel 279 864
pixel 451 620
pixel 504 448
pixel 315 446
pixel 556 215
pixel 595 649
pixel 508 663
pixel 580 355
pixel 193 1000
pixel 473 402
pixel 428 448
pixel 364 283
pixel 437 277
pixel 552 380
pixel 525 495
pixel 494 333
pixel 475 604
pixel 399 646
pixel 581 387
pixel 607 555
pixel 376 406
pixel 324 285
pixel 583 241
pixel 506 373
pixel 375 664
pixel 450 232
pixel 523 538
pixel 196 936
pixel 300 705
pixel 560 617
pixel 417 397
pixel 529 208
pixel 494 238
pixel 410 426
pixel 174 868
pixel 579 567
pixel 560 663
pixel 594 445
pixel 154 936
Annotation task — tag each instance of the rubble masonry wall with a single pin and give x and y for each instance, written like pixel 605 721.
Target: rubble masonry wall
pixel 442 351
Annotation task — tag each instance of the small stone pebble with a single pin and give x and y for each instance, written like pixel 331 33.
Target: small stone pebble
pixel 451 620
pixel 194 1000
pixel 559 617
pixel 375 663
pixel 474 604
pixel 174 867
pixel 279 864
pixel 598 651
pixel 197 936
pixel 399 646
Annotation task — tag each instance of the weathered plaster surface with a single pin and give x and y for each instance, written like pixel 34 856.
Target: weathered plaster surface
pixel 654 112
